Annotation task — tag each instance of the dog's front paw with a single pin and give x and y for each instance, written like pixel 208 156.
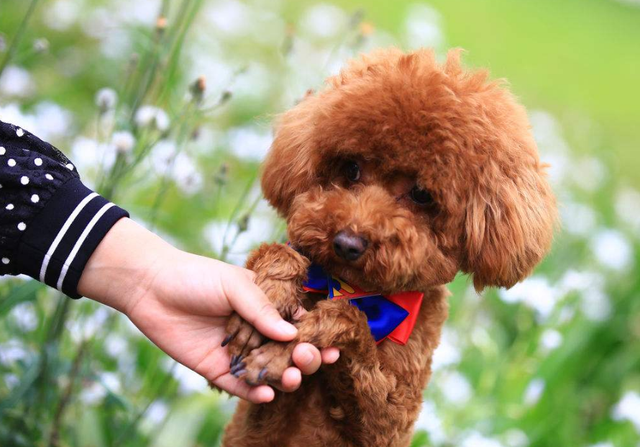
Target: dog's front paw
pixel 242 338
pixel 266 364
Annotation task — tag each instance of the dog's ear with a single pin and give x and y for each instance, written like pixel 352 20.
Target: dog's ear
pixel 288 168
pixel 509 226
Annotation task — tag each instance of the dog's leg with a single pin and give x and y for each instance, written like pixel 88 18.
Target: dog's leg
pixel 375 392
pixel 280 271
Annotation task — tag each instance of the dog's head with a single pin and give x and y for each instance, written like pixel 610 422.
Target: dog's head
pixel 403 172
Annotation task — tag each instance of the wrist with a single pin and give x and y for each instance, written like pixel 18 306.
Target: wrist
pixel 122 269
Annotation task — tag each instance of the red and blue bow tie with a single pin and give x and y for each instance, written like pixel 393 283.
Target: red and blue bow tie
pixel 389 316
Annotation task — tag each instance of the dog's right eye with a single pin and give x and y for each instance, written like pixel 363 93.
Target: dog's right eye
pixel 352 171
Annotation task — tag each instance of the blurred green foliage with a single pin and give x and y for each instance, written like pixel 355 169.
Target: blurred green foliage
pixel 177 136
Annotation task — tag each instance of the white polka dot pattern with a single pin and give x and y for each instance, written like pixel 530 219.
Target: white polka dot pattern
pixel 44 205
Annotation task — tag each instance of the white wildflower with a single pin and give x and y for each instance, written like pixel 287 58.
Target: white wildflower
pixel 627 207
pixel 111 381
pixel 152 116
pixel 536 293
pixel 628 409
pixel 93 393
pixel 255 84
pixel 588 173
pixel 423 27
pixel 250 143
pixel 85 327
pixel 456 388
pixel 323 21
pixel 189 381
pixel 156 413
pixel 24 314
pixel 40 45
pixel 595 304
pixel 61 14
pixel 115 345
pixel 534 391
pixel 123 141
pixel 16 81
pixel 185 174
pixel 99 23
pixel 12 351
pixel 550 340
pixel 475 439
pixel 578 219
pixel 429 421
pixel 11 381
pixel 575 281
pixel 88 154
pixel 230 17
pixel 162 155
pixel 140 12
pixel 515 438
pixel 106 99
pixel 447 352
pixel 612 249
pixel 260 227
pixel 52 120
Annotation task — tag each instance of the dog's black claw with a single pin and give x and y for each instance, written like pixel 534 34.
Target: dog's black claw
pixel 233 360
pixel 237 367
pixel 226 340
pixel 240 373
pixel 262 373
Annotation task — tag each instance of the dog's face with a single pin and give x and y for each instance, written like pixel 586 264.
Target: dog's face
pixel 403 172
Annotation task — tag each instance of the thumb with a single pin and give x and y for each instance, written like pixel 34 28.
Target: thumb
pixel 246 298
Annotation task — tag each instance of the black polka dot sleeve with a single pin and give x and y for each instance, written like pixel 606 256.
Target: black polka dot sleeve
pixel 50 223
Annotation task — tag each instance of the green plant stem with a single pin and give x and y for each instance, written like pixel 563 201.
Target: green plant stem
pixel 54 437
pixel 19 35
pixel 226 248
pixel 138 417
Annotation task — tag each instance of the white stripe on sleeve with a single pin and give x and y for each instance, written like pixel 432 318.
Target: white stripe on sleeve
pixel 92 223
pixel 62 232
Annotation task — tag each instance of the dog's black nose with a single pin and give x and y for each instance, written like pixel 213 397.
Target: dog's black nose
pixel 349 246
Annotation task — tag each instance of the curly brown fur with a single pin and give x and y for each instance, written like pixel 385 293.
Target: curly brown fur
pixel 448 180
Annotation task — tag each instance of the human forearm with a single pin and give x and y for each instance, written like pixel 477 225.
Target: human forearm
pixel 122 268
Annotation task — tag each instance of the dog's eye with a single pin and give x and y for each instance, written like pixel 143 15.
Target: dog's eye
pixel 421 196
pixel 352 171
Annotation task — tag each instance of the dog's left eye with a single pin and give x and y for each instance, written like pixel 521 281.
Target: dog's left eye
pixel 352 171
pixel 421 196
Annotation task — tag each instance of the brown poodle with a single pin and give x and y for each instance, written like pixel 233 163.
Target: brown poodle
pixel 398 175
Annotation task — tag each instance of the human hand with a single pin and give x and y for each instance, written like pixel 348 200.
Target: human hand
pixel 181 302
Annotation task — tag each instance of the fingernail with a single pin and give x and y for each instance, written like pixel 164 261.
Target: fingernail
pixel 286 328
pixel 306 358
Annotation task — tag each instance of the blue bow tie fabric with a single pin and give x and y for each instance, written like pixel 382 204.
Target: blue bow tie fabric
pixel 391 316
